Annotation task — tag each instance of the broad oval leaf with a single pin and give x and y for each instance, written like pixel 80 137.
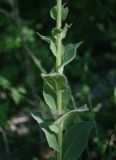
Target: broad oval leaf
pixel 75 140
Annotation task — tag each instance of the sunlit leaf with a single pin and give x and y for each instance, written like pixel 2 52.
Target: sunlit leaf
pixel 38 117
pixel 50 135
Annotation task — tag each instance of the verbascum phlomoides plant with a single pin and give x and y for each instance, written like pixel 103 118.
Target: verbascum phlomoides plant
pixel 64 132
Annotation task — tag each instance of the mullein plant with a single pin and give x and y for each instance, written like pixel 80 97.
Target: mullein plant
pixel 65 133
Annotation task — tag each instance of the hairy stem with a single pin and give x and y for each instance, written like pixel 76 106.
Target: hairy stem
pixel 59 40
pixel 58 63
pixel 60 136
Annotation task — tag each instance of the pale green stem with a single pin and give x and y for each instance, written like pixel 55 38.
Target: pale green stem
pixel 60 136
pixel 59 40
pixel 58 63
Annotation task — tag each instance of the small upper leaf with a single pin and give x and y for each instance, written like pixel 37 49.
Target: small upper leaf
pixel 65 29
pixel 51 41
pixel 53 12
pixel 69 54
pixel 66 94
pixel 75 140
pixel 65 12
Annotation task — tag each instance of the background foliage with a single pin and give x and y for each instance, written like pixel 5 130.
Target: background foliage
pixel 92 75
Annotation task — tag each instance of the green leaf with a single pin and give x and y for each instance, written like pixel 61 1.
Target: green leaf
pixel 69 117
pixel 57 81
pixel 56 31
pixel 66 94
pixel 38 117
pixel 69 54
pixel 49 96
pixel 66 116
pixel 53 12
pixel 65 29
pixel 51 41
pixel 53 82
pixel 51 139
pixel 75 140
pixel 50 135
pixel 65 12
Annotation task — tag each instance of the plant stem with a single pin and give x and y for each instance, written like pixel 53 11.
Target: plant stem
pixel 59 40
pixel 59 135
pixel 58 63
pixel 59 154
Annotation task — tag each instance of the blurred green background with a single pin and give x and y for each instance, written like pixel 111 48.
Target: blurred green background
pixel 92 75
